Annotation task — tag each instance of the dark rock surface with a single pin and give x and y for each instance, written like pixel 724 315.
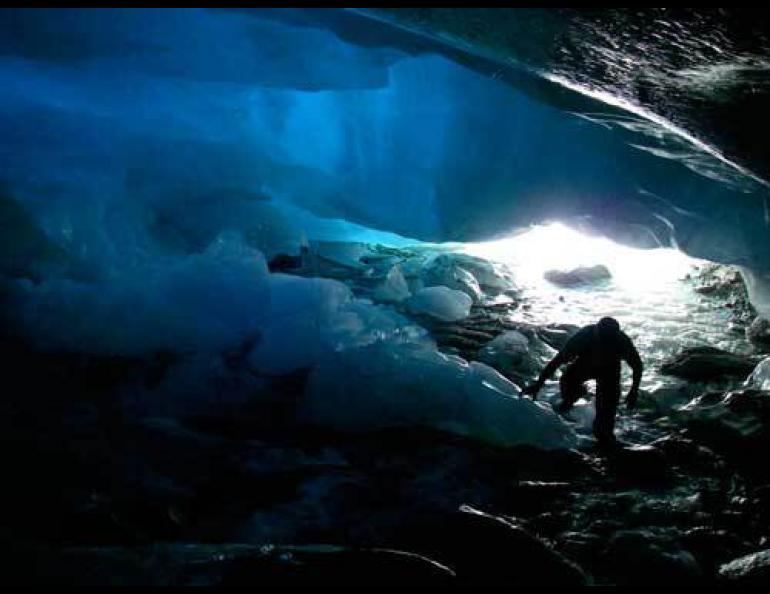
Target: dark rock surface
pixel 576 277
pixel 749 570
pixel 707 363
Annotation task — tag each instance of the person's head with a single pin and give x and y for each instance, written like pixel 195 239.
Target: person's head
pixel 608 329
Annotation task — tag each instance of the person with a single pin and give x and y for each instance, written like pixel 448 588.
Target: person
pixel 595 352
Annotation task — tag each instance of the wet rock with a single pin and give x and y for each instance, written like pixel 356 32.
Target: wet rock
pixel 712 547
pixel 662 400
pixel 336 565
pixel 749 570
pixel 231 565
pixel 638 463
pixel 734 423
pixel 635 557
pixel 557 335
pixel 680 451
pixel 482 548
pixel 584 547
pixel 758 333
pixel 584 275
pixel 707 363
pixel 513 355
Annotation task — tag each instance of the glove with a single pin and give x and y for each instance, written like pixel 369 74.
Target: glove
pixel 532 390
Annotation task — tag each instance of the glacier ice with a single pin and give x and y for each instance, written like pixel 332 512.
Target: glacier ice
pixel 207 301
pixel 442 303
pixel 383 386
pixel 443 269
pixel 309 317
pixel 393 288
pixel 760 377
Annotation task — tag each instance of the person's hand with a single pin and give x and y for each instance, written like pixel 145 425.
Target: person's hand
pixel 631 399
pixel 531 390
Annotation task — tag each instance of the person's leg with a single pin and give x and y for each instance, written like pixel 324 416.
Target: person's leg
pixel 571 385
pixel 607 398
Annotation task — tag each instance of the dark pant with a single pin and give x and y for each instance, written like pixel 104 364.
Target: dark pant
pixel 607 394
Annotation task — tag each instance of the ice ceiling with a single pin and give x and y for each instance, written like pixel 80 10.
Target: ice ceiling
pixel 131 135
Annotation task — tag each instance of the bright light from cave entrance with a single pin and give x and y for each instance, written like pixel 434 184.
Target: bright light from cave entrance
pixel 557 247
pixel 645 293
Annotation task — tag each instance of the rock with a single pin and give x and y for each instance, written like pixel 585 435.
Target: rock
pixel 511 354
pixel 758 333
pixel 336 565
pixel 638 463
pixel 444 270
pixel 482 548
pixel 557 335
pixel 583 275
pixel 635 557
pixel 712 547
pixel 233 564
pixel 680 451
pixel 749 570
pixel 734 423
pixel 707 363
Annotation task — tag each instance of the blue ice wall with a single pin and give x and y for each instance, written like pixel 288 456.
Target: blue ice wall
pixel 128 132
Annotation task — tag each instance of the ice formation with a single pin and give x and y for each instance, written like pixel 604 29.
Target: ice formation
pixel 385 386
pixel 443 303
pixel 154 160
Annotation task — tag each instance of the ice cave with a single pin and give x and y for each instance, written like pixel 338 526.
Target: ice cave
pixel 320 296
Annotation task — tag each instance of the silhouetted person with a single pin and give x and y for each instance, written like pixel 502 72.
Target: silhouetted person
pixel 595 352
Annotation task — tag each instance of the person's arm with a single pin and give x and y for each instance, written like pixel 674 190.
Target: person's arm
pixel 633 359
pixel 568 352
pixel 547 372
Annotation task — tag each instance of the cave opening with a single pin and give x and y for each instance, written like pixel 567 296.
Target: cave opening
pixel 275 286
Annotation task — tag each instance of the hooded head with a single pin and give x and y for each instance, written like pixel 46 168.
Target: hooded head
pixel 608 330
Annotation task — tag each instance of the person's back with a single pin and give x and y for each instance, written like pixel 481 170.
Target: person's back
pixel 600 347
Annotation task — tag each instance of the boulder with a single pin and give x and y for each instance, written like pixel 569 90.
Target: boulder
pixel 634 557
pixel 483 548
pixel 638 463
pixel 512 355
pixel 583 275
pixel 183 564
pixel 749 570
pixel 734 423
pixel 705 363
